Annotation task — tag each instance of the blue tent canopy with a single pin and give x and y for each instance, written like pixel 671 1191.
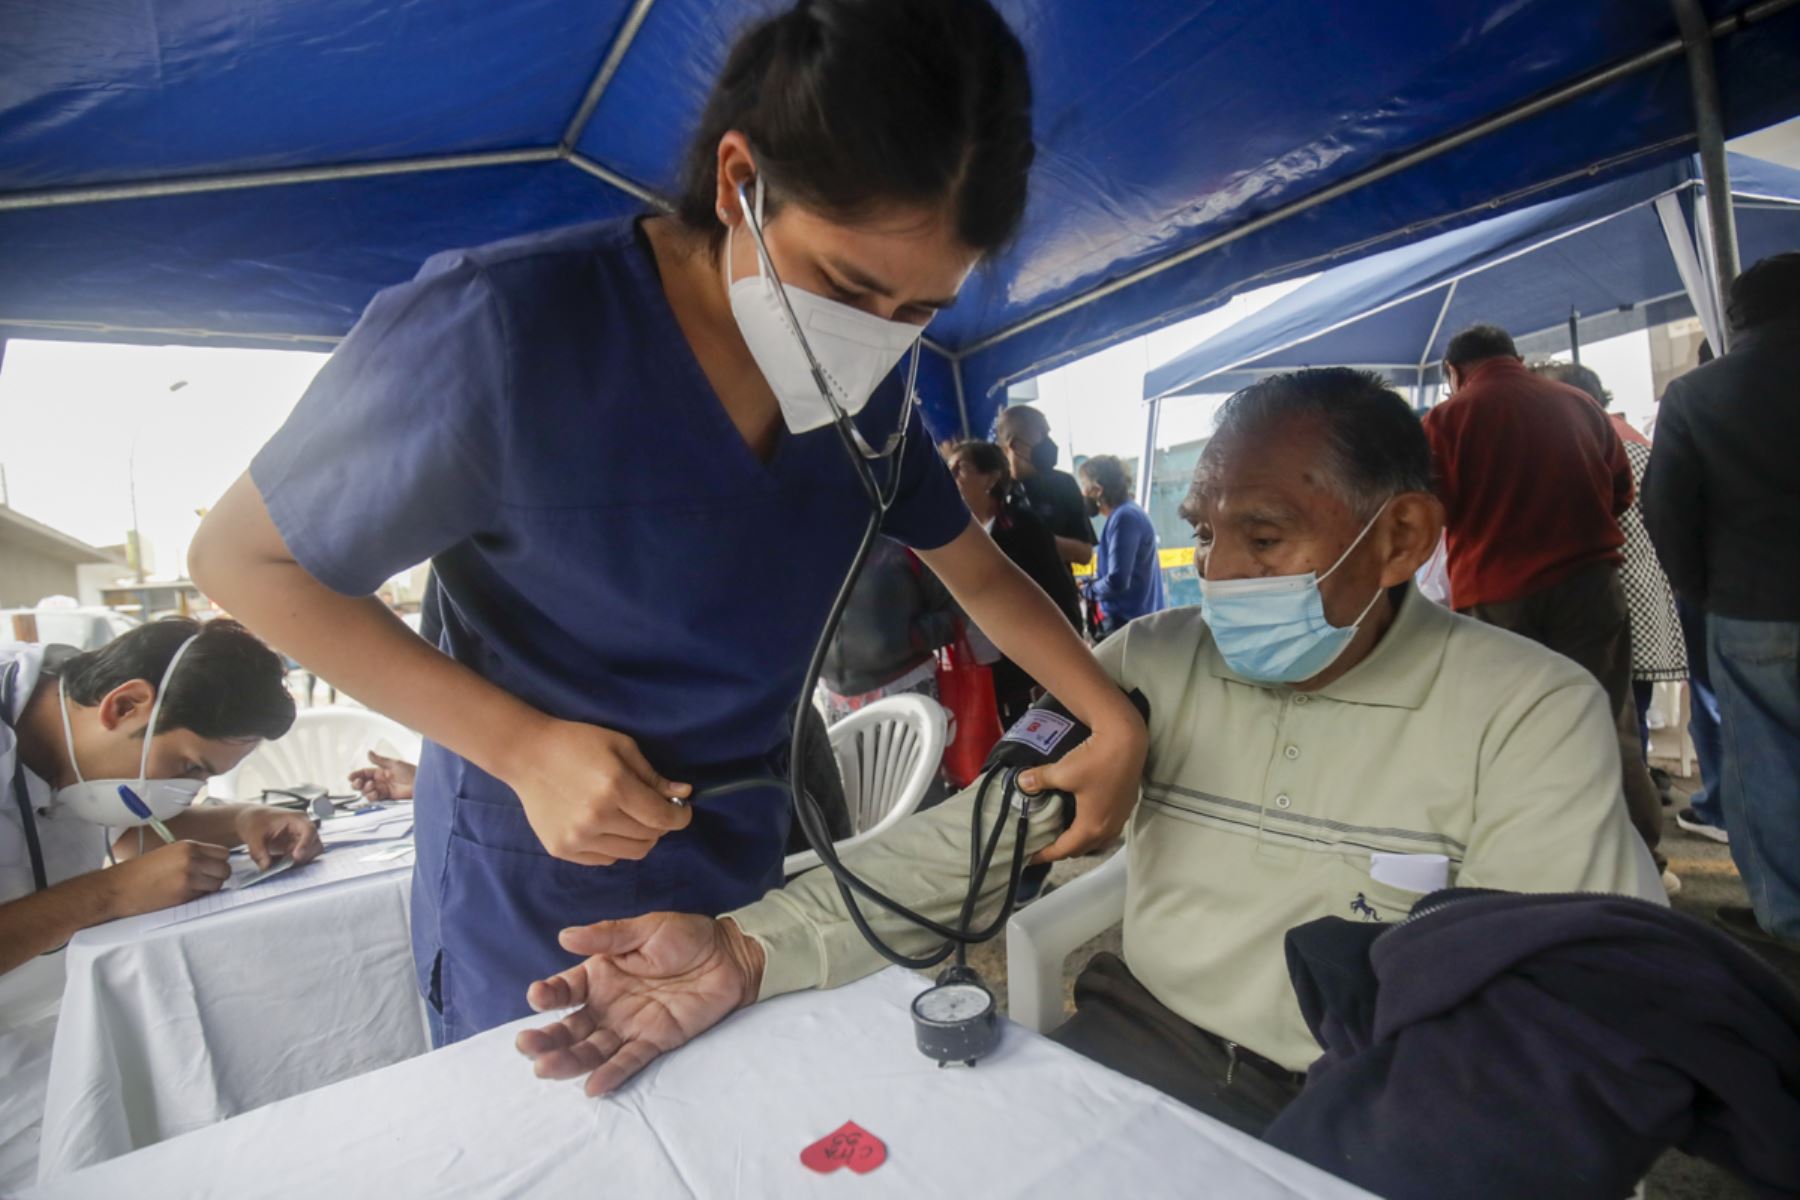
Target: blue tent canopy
pixel 252 171
pixel 1614 254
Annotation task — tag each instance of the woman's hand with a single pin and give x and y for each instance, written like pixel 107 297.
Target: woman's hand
pixel 591 796
pixel 652 983
pixel 1104 774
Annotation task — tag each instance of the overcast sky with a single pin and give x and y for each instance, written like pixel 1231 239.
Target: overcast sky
pixel 72 412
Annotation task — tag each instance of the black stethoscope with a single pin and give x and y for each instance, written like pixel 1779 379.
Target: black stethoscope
pixel 21 793
pixel 955 1020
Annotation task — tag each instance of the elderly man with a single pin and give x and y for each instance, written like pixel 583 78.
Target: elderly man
pixel 1315 710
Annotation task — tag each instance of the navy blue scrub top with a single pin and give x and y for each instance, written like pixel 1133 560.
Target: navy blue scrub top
pixel 529 416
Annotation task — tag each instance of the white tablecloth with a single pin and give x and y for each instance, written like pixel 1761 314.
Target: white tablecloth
pixel 168 1028
pixel 725 1116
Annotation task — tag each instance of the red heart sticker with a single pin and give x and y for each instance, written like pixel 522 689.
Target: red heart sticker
pixel 849 1145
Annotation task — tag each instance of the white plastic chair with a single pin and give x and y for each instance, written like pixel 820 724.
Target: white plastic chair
pixel 323 747
pixel 1041 937
pixel 888 754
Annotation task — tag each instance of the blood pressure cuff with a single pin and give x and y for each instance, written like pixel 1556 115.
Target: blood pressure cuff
pixel 1046 732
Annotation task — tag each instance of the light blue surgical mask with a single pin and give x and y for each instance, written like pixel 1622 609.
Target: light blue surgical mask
pixel 1273 629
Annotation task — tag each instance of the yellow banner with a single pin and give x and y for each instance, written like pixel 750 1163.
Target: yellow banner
pixel 1182 556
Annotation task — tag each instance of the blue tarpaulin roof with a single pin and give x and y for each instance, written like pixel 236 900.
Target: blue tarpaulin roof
pixel 379 131
pixel 1595 253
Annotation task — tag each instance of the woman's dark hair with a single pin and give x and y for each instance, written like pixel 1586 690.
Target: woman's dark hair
pixel 988 459
pixel 851 104
pixel 229 686
pixel 1107 473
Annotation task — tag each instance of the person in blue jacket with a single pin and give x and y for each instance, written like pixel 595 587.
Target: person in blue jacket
pixel 1127 580
pixel 612 445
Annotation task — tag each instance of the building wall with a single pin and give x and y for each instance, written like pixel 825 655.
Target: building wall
pixel 91 578
pixel 27 577
pixel 1674 350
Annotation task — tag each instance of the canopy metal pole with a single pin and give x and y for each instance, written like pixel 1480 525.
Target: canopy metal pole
pixel 962 405
pixel 1570 91
pixel 1151 419
pixel 1574 336
pixel 628 186
pixel 257 179
pixel 609 66
pixel 1693 274
pixel 1437 327
pixel 1709 125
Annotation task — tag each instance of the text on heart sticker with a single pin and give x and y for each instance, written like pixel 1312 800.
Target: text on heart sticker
pixel 849 1145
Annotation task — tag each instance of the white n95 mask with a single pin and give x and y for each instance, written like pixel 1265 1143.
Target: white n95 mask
pixel 854 350
pixel 122 803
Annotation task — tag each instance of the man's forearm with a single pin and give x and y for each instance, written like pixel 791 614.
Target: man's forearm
pixel 1074 551
pixel 805 931
pixel 44 920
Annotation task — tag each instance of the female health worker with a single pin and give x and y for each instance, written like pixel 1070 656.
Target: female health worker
pixel 608 441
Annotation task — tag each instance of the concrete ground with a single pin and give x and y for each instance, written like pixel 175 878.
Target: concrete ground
pixel 1708 880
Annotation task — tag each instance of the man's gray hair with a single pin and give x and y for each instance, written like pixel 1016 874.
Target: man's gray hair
pixel 1019 420
pixel 1374 445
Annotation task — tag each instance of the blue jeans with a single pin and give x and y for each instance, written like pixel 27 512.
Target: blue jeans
pixel 1755 668
pixel 1703 717
pixel 1709 748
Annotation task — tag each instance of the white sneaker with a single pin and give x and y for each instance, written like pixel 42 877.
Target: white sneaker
pixel 1693 822
pixel 1671 883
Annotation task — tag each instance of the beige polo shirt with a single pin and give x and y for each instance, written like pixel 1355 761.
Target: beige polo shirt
pixel 1261 806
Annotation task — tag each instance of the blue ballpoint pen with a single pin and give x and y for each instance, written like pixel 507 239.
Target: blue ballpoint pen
pixel 142 812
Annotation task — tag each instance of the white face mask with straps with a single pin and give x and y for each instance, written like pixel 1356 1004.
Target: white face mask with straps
pixel 122 803
pixel 854 350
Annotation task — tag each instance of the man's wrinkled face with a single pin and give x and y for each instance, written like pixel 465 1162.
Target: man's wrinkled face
pixel 1269 506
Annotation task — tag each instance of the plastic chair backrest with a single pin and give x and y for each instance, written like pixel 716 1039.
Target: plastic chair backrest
pixel 888 754
pixel 323 747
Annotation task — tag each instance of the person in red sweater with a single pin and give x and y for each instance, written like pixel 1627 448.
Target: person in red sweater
pixel 1534 479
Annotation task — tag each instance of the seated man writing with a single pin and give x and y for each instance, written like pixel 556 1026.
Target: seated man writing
pixel 155 711
pixel 1299 723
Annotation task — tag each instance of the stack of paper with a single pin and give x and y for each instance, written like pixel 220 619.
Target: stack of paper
pixel 349 863
pixel 378 823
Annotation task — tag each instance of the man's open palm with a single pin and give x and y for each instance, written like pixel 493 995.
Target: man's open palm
pixel 651 983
